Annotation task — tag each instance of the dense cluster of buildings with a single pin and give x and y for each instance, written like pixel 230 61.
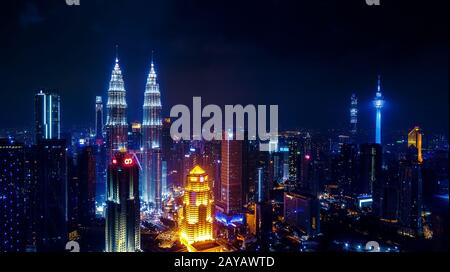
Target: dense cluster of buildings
pixel 105 187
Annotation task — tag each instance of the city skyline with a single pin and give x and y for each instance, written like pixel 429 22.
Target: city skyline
pixel 352 155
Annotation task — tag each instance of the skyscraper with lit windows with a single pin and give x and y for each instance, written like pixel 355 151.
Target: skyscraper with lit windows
pixel 230 201
pixel 122 204
pixel 52 195
pixel 411 196
pixel 100 151
pixel 86 168
pixel 370 164
pixel 12 196
pixel 294 154
pixel 378 103
pixel 195 217
pixel 98 117
pixel 116 118
pixel 151 130
pixel 302 211
pixel 47 116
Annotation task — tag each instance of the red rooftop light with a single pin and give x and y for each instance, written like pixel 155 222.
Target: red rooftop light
pixel 128 161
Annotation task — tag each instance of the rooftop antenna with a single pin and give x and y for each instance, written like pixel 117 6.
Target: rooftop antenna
pixel 117 53
pixel 152 57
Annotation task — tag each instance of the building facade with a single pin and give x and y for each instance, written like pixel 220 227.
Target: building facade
pixel 196 215
pixel 303 212
pixel 151 131
pixel 52 195
pixel 230 201
pixel 47 116
pixel 116 118
pixel 123 205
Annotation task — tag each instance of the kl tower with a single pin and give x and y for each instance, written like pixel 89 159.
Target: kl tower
pixel 378 103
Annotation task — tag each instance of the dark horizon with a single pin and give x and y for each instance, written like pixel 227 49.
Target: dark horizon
pixel 307 57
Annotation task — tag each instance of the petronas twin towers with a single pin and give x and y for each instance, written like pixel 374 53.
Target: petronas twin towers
pixel 151 132
pixel 117 130
pixel 116 118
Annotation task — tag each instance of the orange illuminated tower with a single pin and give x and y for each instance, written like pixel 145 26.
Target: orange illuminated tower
pixel 195 217
pixel 415 140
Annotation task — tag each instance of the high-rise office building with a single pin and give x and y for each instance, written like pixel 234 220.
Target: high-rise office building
pixel 86 190
pixel 116 118
pixel 166 139
pixel 100 152
pixel 415 140
pixel 101 155
pixel 259 222
pixel 151 130
pixel 98 118
pixel 167 157
pixel 264 176
pixel 250 161
pixel 73 188
pixel 410 198
pixel 135 137
pixel 278 164
pixel 47 116
pixel 122 204
pixel 197 213
pixel 370 167
pixel 378 103
pixel 210 158
pixel 294 155
pixel 386 196
pixel 302 211
pixel 31 191
pixel 305 177
pixel 353 114
pixel 262 186
pixel 51 198
pixel 12 196
pixel 230 201
pixel 347 169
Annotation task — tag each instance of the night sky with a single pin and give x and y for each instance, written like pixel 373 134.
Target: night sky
pixel 306 56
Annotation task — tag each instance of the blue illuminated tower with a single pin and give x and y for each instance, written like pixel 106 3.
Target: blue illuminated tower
pixel 378 103
pixel 151 132
pixel 116 118
pixel 13 196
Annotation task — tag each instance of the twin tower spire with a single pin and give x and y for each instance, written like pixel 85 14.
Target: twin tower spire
pixel 117 129
pixel 116 119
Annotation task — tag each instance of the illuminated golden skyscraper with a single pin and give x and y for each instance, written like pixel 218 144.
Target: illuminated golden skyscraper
pixel 415 139
pixel 195 218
